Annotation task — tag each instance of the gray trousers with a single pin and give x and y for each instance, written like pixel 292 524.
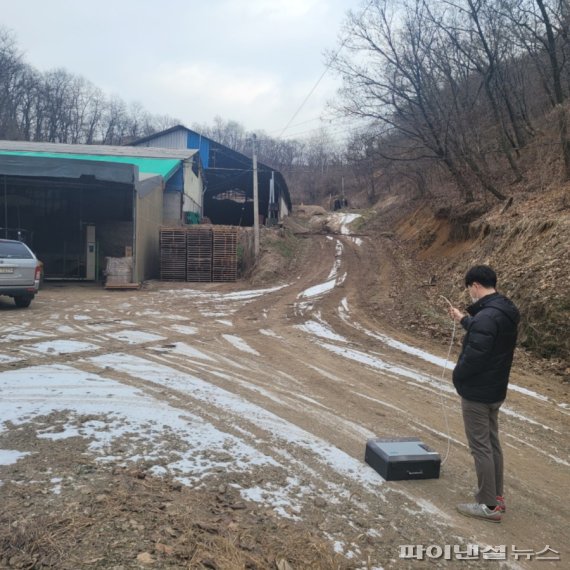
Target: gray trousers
pixel 482 430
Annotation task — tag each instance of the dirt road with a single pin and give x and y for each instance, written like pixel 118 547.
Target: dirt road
pixel 281 387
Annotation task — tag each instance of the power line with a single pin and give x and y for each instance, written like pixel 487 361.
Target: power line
pixel 336 130
pixel 319 118
pixel 327 67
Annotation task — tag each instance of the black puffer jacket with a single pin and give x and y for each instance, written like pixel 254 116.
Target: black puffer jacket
pixel 482 371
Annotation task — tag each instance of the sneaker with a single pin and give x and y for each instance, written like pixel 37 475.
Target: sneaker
pixel 501 504
pixel 480 512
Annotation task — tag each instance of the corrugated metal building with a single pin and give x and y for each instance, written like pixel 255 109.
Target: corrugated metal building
pixel 228 195
pixel 77 204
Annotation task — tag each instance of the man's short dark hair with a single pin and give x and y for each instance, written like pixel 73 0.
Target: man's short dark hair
pixel 481 274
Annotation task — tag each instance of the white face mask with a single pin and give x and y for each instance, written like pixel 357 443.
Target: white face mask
pixel 472 295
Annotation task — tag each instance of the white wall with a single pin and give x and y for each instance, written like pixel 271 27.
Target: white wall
pixel 193 187
pixel 283 209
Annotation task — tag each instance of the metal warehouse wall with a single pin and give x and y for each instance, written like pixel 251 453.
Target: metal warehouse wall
pixel 176 139
pixel 195 140
pixel 148 221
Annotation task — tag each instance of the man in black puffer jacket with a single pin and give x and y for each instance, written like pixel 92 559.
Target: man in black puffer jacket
pixel 481 377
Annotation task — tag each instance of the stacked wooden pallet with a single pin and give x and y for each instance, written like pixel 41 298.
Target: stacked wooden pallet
pixel 173 254
pixel 199 253
pixel 224 254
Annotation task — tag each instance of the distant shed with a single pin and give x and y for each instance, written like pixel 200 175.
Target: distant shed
pixel 77 204
pixel 228 193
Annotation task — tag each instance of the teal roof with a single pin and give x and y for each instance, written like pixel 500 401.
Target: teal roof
pixel 163 166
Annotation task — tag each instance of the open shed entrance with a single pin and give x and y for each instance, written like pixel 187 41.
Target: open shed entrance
pixel 70 224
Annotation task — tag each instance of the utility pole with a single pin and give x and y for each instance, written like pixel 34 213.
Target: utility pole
pixel 255 201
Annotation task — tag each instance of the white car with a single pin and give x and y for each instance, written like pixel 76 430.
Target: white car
pixel 20 272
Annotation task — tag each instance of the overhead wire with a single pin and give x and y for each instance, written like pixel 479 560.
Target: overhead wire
pixel 444 409
pixel 327 67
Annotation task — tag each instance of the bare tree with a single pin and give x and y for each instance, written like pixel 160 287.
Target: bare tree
pixel 390 77
pixel 11 71
pixel 541 28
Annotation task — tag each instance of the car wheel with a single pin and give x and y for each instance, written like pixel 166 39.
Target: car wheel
pixel 23 302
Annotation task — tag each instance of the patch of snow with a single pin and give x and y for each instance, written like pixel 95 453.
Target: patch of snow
pixel 401 346
pixel 183 349
pixel 374 533
pixel 378 364
pixel 528 392
pixel 11 456
pixel 125 412
pixel 100 327
pixel 61 347
pixel 510 412
pixel 6 358
pixel 269 332
pixel 339 248
pixel 539 450
pixel 328 375
pixel 431 509
pixel 318 289
pixel 251 294
pixel 230 403
pixel 345 220
pixel 279 496
pixel 82 318
pixel 424 355
pixel 320 330
pixel 234 296
pixel 225 322
pixel 56 489
pixel 28 335
pixel 214 313
pixel 135 337
pixel 184 329
pixel 65 433
pixel 148 313
pixel 335 268
pixel 240 344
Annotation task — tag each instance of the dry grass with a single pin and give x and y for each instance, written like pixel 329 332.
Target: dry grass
pixel 130 520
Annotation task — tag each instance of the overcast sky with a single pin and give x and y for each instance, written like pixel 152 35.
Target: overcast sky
pixel 253 61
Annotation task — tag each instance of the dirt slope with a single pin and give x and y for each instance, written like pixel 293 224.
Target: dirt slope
pixel 259 402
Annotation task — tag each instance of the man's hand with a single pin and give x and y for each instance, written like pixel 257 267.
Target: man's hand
pixel 456 314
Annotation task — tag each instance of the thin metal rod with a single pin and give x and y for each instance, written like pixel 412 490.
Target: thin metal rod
pixel 255 201
pixel 5 208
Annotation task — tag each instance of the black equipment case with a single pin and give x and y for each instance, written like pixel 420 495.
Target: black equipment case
pixel 402 458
